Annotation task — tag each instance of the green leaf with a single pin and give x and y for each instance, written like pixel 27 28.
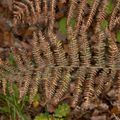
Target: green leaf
pixel 62 110
pixel 4 109
pixel 109 7
pixel 72 22
pixel 90 2
pixel 43 116
pixel 104 24
pixel 118 36
pixel 11 59
pixel 63 24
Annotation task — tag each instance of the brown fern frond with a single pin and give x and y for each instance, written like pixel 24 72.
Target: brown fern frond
pixel 46 10
pixel 101 15
pixel 109 80
pixel 26 11
pixel 18 59
pixel 38 7
pixel 57 72
pixel 101 81
pixel 37 51
pixel 35 85
pixel 52 13
pixel 112 50
pixel 58 50
pixel 92 13
pixel 80 16
pixel 99 49
pixel 115 23
pixel 84 49
pixel 89 88
pixel 113 16
pixel 27 75
pixel 45 47
pixel 78 86
pixel 63 86
pixel 73 47
pixel 71 11
pixel 46 77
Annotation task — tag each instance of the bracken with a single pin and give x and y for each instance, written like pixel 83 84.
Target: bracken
pixel 93 54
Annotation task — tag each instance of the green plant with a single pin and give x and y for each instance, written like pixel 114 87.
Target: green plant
pixel 104 24
pixel 118 36
pixel 63 24
pixel 62 111
pixel 12 107
pixel 43 116
pixel 90 2
pixel 109 7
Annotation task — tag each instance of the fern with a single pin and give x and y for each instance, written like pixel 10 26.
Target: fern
pixel 90 61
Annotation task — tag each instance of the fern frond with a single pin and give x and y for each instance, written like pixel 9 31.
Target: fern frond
pixel 89 88
pixel 26 11
pixel 37 51
pixel 45 47
pixel 58 50
pixel 80 16
pixel 57 72
pixel 46 80
pixel 113 16
pixel 101 81
pixel 73 47
pixel 101 15
pixel 35 86
pixel 92 13
pixel 28 73
pixel 78 86
pixel 71 11
pixel 38 7
pixel 115 23
pixel 46 10
pixel 99 50
pixel 52 13
pixel 63 86
pixel 109 80
pixel 112 50
pixel 18 59
pixel 85 53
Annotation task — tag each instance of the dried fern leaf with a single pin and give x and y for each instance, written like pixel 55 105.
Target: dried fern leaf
pixel 84 49
pixel 89 88
pixel 37 51
pixel 78 86
pixel 52 13
pixel 63 86
pixel 35 86
pixel 73 47
pixel 57 72
pixel 45 47
pixel 28 73
pixel 99 50
pixel 46 80
pixel 58 50
pixel 71 11
pixel 92 13
pixel 113 51
pixel 80 16
pixel 101 15
pixel 113 16
pixel 46 10
pixel 18 59
pixel 101 81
